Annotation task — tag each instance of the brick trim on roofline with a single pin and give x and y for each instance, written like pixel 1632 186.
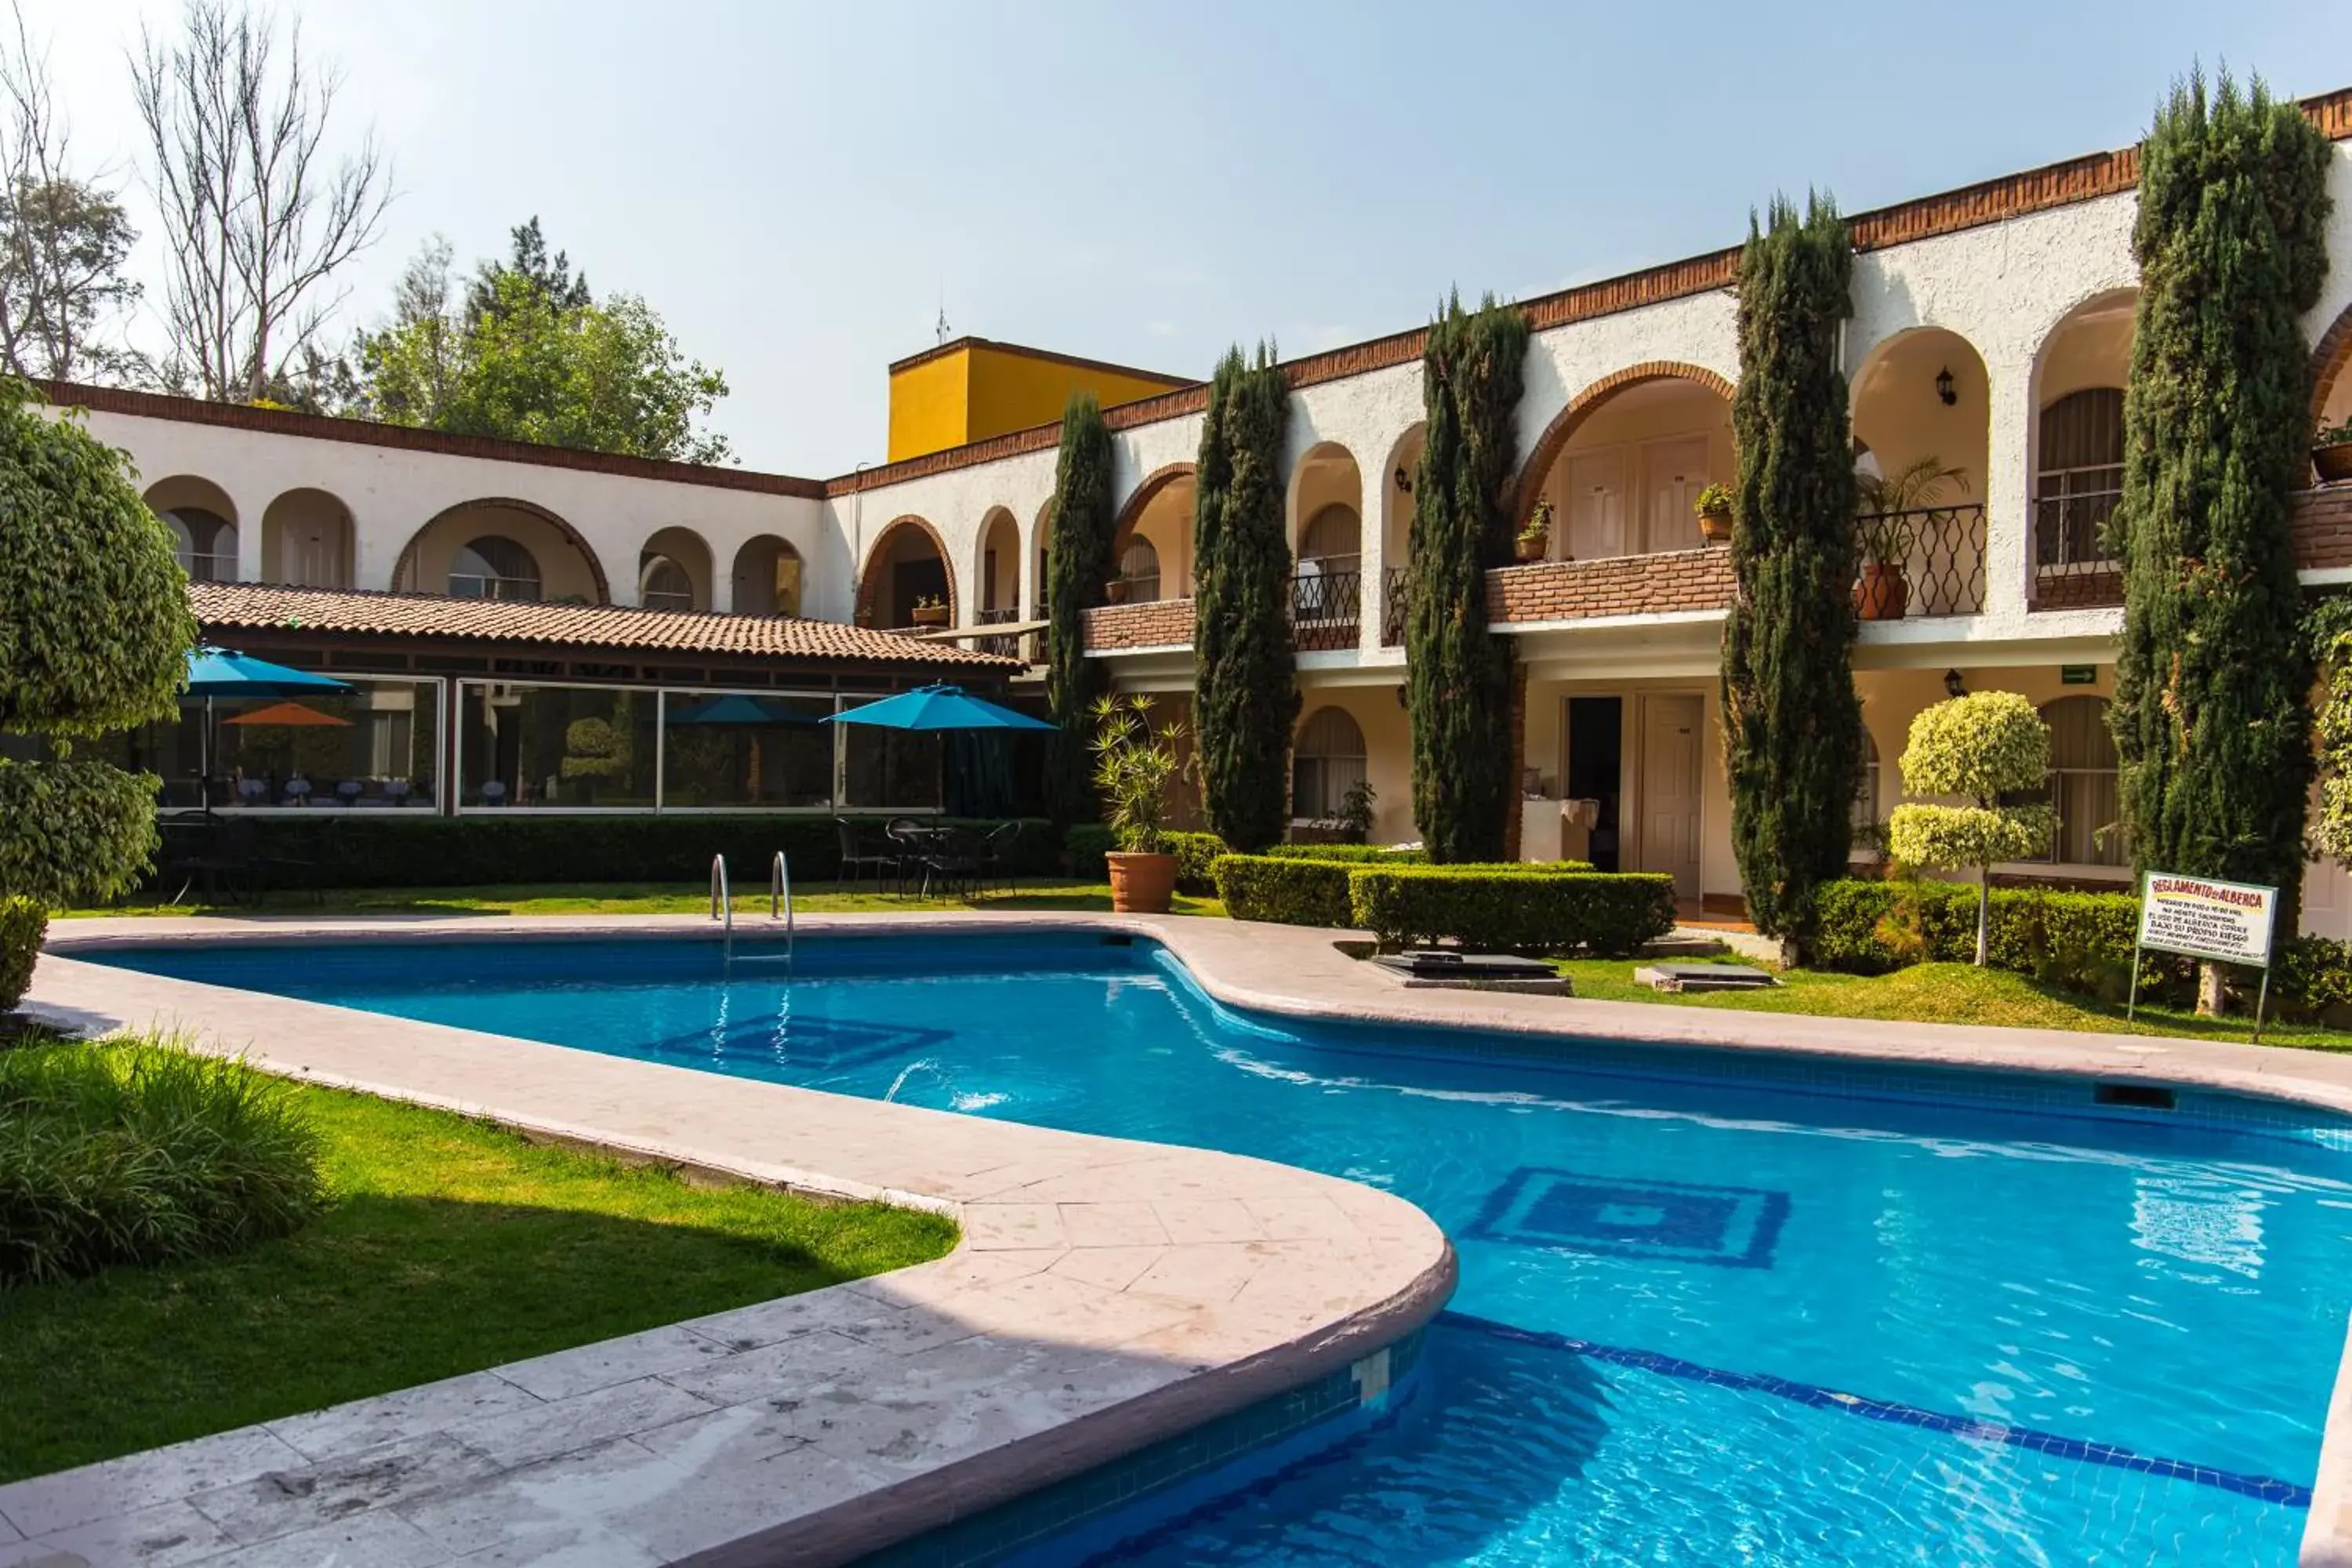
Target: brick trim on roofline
pixel 2059 184
pixel 368 432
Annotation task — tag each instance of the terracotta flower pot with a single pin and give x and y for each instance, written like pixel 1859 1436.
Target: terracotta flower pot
pixel 2334 463
pixel 1715 527
pixel 1882 594
pixel 1533 549
pixel 1141 884
pixel 934 616
pixel 1115 590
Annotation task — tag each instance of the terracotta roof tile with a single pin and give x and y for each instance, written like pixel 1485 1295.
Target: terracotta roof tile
pixel 257 606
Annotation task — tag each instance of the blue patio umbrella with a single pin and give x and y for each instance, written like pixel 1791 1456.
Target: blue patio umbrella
pixel 936 708
pixel 740 709
pixel 223 672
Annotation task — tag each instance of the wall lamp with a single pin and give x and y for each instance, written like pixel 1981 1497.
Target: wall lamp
pixel 1953 685
pixel 1944 388
pixel 1404 479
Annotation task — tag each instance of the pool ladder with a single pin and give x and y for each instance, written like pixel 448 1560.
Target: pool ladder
pixel 780 899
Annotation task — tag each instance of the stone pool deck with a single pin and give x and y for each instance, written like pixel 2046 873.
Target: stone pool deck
pixel 1106 1293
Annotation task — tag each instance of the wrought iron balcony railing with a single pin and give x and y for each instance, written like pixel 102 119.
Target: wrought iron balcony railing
pixel 2071 568
pixel 1325 609
pixel 1393 606
pixel 1928 561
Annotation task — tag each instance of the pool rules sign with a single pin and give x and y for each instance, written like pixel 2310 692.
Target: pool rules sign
pixel 2201 918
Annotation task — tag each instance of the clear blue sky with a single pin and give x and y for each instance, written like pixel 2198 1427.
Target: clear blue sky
pixel 795 187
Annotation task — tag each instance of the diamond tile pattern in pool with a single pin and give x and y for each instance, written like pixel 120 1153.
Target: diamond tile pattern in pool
pixel 1683 1222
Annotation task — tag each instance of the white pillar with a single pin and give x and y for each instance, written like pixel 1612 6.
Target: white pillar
pixel 2008 490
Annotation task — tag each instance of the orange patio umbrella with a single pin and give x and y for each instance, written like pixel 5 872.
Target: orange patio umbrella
pixel 293 715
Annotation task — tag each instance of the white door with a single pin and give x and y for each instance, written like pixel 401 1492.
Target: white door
pixel 1596 505
pixel 2326 893
pixel 1674 472
pixel 1672 733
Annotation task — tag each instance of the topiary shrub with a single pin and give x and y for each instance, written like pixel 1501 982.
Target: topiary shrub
pixel 1519 910
pixel 1983 747
pixel 142 1153
pixel 1284 889
pixel 23 923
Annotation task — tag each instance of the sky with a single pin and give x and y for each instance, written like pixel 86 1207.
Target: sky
pixel 801 189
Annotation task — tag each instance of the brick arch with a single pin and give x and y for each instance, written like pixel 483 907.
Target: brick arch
pixel 2330 362
pixel 1581 407
pixel 1131 509
pixel 406 564
pixel 939 548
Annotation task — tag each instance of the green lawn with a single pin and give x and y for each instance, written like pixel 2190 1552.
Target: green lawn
pixel 448 1245
pixel 644 898
pixel 1942 994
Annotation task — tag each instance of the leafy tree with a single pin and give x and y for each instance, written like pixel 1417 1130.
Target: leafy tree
pixel 1458 683
pixel 94 633
pixel 2211 715
pixel 1245 666
pixel 529 356
pixel 1077 564
pixel 1981 747
pixel 1792 725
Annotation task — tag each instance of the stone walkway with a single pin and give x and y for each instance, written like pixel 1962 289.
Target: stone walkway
pixel 1106 1293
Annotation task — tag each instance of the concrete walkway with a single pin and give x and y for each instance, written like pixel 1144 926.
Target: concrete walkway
pixel 1106 1293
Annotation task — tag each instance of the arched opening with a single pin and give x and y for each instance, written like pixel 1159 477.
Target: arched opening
pixel 673 571
pixel 1922 434
pixel 2083 793
pixel 1138 569
pixel 1327 763
pixel 767 577
pixel 443 557
pixel 2331 374
pixel 1398 478
pixel 202 521
pixel 1622 465
pixel 2078 451
pixel 1159 516
pixel 997 571
pixel 306 541
pixel 1327 531
pixel 907 582
pixel 492 567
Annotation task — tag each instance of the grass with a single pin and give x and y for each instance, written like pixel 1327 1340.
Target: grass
pixel 1944 993
pixel 447 1246
pixel 641 898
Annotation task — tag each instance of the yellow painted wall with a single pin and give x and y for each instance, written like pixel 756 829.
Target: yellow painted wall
pixel 979 389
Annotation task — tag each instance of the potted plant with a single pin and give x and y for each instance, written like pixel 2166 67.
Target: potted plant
pixel 1886 509
pixel 1535 540
pixel 1115 592
pixel 931 610
pixel 1713 509
pixel 1133 766
pixel 2331 451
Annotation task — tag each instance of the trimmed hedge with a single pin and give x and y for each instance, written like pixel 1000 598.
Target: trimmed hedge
pixel 2316 973
pixel 1285 889
pixel 384 849
pixel 23 923
pixel 1348 854
pixel 1522 910
pixel 1084 847
pixel 2079 941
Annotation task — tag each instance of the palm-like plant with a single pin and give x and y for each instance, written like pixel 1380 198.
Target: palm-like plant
pixel 1134 764
pixel 1884 505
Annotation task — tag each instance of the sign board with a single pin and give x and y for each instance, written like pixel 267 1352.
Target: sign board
pixel 2078 675
pixel 2205 918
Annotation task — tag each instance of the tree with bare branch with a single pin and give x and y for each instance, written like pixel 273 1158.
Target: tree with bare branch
pixel 63 238
pixel 257 221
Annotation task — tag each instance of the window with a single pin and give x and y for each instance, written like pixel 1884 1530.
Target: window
pixel 2078 475
pixel 788 580
pixel 1333 540
pixel 1866 788
pixel 663 584
pixel 494 567
pixel 205 544
pixel 556 746
pixel 730 749
pixel 2083 783
pixel 893 769
pixel 376 746
pixel 1139 565
pixel 1328 762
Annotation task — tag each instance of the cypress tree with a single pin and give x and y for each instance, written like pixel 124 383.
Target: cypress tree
pixel 2212 716
pixel 1458 682
pixel 1792 722
pixel 1244 681
pixel 1077 564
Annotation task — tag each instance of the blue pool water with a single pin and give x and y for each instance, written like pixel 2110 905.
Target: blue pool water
pixel 1713 1310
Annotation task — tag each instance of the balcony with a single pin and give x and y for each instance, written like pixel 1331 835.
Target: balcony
pixel 1672 581
pixel 1941 553
pixel 2071 568
pixel 1020 647
pixel 1395 606
pixel 1160 623
pixel 1325 609
pixel 209 565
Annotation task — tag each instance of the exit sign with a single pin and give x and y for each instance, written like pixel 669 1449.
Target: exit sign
pixel 2078 675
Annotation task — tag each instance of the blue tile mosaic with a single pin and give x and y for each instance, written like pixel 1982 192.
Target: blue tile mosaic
pixel 2266 1489
pixel 1677 1222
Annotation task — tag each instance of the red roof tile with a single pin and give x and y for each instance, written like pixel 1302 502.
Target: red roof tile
pixel 259 607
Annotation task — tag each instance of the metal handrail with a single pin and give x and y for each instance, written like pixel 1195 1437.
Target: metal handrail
pixel 722 902
pixel 780 895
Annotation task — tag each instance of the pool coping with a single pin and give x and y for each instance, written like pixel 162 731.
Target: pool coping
pixel 1280 970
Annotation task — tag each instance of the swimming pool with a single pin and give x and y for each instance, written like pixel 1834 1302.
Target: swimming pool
pixel 1713 1308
